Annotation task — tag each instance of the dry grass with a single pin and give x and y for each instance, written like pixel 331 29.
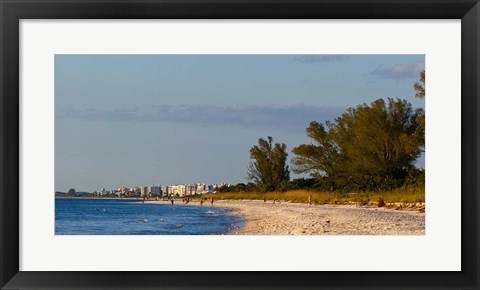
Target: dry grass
pixel 398 196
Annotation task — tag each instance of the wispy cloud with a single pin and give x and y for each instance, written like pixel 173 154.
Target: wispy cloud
pixel 314 58
pixel 119 114
pixel 279 117
pixel 399 71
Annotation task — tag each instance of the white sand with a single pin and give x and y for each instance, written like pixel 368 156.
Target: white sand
pixel 301 219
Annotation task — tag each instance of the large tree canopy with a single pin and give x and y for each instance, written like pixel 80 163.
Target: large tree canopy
pixel 321 158
pixel 381 140
pixel 368 144
pixel 268 168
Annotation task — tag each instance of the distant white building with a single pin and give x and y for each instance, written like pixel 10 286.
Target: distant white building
pixel 179 190
pixel 165 190
pixel 134 189
pixel 200 187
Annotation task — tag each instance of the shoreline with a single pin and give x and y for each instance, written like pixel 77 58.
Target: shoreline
pixel 285 218
pixel 78 197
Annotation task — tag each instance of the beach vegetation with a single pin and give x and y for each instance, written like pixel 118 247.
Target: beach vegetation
pixel 406 195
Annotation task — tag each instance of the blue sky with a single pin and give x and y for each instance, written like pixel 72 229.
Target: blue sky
pixel 130 120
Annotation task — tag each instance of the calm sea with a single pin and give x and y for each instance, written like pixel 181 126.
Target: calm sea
pixel 128 217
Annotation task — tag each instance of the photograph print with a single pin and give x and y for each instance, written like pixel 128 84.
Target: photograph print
pixel 240 144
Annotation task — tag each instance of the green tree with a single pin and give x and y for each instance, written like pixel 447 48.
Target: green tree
pixel 71 191
pixel 366 146
pixel 380 141
pixel 268 168
pixel 239 187
pixel 322 158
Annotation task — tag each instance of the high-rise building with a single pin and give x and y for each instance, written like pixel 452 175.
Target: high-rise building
pixel 200 187
pixel 165 190
pixel 179 190
pixel 190 189
pixel 155 190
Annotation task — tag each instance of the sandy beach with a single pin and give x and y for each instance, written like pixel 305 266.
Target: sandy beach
pixel 283 218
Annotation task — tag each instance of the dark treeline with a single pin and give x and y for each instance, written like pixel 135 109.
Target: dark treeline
pixel 368 148
pixel 415 178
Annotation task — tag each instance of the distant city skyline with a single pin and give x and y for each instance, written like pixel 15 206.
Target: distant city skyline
pixel 131 120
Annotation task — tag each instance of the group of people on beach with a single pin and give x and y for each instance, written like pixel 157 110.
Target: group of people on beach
pixel 145 198
pixel 186 200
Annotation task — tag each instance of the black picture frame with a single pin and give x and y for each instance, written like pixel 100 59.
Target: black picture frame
pixel 11 11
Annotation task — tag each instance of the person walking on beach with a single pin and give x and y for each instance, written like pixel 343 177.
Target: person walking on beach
pixel 211 201
pixel 171 201
pixel 201 201
pixel 310 200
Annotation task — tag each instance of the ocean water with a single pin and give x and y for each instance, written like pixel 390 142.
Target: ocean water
pixel 128 217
